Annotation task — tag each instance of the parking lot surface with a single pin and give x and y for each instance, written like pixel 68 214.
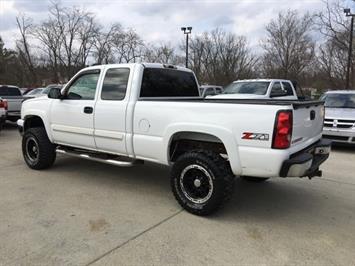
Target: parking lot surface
pixel 85 213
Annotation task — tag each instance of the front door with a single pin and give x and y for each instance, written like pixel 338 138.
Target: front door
pixel 72 118
pixel 110 112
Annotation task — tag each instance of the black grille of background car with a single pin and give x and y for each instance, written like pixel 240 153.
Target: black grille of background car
pixel 340 123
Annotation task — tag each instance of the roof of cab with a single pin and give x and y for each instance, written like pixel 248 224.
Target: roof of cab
pixel 148 65
pixel 262 80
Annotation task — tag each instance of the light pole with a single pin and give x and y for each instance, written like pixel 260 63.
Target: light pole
pixel 187 31
pixel 349 14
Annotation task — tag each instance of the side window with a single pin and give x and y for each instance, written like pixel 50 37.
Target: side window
pixel 84 87
pixel 218 90
pixel 288 88
pixel 210 91
pixel 115 84
pixel 277 90
pixel 12 91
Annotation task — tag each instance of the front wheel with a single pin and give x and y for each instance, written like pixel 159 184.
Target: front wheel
pixel 201 181
pixel 38 152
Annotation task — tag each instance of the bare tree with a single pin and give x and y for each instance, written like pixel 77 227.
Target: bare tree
pixel 163 53
pixel 220 57
pixel 289 48
pixel 25 26
pixel 333 53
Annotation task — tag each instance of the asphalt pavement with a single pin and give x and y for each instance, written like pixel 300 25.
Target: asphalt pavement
pixel 86 213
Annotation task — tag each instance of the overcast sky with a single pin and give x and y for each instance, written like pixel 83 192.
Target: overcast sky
pixel 160 21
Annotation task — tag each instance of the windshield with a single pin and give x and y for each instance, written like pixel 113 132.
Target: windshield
pixel 35 91
pixel 335 100
pixel 258 88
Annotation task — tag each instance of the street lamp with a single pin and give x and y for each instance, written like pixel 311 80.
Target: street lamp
pixel 187 31
pixel 349 14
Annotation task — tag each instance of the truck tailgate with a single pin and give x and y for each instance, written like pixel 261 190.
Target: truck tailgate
pixel 14 103
pixel 307 122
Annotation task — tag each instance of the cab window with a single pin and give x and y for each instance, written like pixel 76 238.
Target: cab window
pixel 277 90
pixel 84 87
pixel 115 84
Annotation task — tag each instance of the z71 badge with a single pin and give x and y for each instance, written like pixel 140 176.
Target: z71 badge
pixel 255 136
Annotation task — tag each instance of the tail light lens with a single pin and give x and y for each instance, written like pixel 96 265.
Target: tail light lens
pixel 283 130
pixel 3 104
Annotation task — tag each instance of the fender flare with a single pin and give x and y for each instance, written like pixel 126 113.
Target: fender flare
pixel 224 135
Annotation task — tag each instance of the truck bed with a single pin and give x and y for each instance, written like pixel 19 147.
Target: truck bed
pixel 296 104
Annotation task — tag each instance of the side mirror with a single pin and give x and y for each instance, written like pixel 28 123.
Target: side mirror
pixel 54 93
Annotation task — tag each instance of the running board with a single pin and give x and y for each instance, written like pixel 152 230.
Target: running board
pixel 96 158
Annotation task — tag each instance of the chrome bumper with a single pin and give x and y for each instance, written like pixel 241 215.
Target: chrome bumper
pixel 307 161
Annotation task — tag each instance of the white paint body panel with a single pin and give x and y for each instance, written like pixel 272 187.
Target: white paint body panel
pixel 143 129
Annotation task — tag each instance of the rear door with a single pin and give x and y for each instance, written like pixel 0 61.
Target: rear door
pixel 110 111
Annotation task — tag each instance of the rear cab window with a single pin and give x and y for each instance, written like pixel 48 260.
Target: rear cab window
pixel 9 91
pixel 163 82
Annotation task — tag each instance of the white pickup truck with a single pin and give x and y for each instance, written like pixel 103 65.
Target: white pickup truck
pixel 130 113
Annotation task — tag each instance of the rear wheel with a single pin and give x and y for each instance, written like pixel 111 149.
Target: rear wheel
pixel 38 152
pixel 201 181
pixel 254 179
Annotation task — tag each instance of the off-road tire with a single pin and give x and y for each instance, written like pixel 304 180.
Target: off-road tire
pixel 253 179
pixel 46 150
pixel 218 170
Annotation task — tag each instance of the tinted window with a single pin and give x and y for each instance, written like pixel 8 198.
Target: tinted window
pixel 210 91
pixel 3 91
pixel 254 87
pixel 115 84
pixel 84 87
pixel 159 82
pixel 288 88
pixel 10 91
pixel 277 90
pixel 218 90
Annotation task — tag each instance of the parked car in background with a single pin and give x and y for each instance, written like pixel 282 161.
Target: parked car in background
pixel 34 93
pixel 3 111
pixel 14 99
pixel 339 121
pixel 129 113
pixel 259 89
pixel 39 92
pixel 207 90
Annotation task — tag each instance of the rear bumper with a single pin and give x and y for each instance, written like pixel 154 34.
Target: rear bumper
pixel 307 161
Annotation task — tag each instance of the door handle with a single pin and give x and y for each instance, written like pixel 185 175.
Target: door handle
pixel 88 110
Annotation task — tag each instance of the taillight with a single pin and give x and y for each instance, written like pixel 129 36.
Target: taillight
pixel 3 104
pixel 283 130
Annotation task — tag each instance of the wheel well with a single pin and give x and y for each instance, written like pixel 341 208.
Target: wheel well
pixel 186 141
pixel 33 121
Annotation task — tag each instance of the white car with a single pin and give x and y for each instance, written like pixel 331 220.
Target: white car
pixel 208 90
pixel 339 122
pixel 14 99
pixel 126 114
pixel 259 89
